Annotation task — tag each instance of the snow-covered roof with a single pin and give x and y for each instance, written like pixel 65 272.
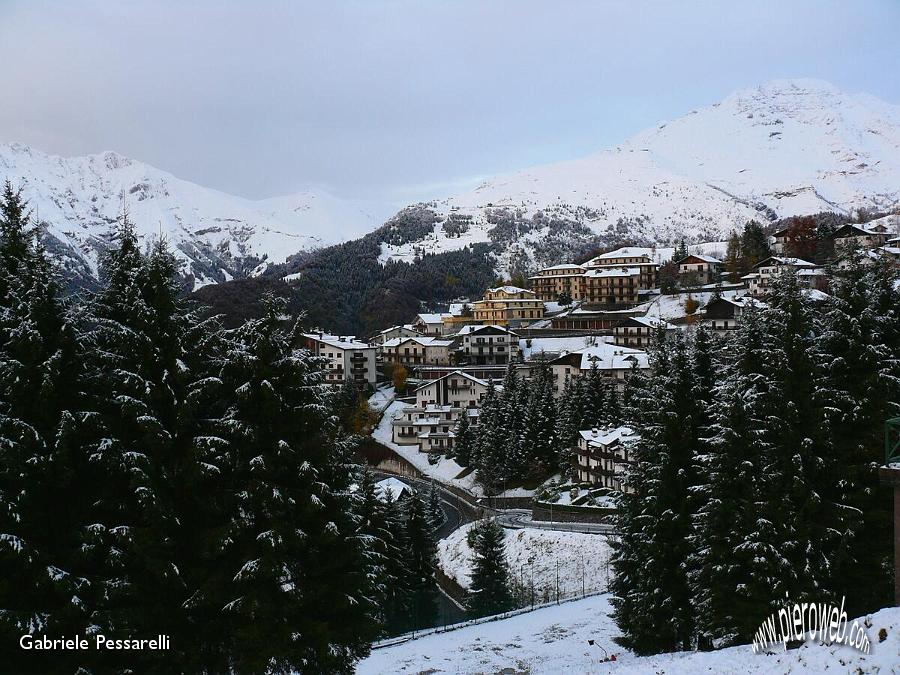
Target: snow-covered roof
pixel 650 321
pixel 703 257
pixel 605 272
pixel 472 328
pixel 608 356
pixel 509 289
pixel 339 341
pixel 564 266
pixel 391 489
pixel 424 340
pixel 657 255
pixel 782 261
pixel 609 435
pixel 431 317
pixel 454 373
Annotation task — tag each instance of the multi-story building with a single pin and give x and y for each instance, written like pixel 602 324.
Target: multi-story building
pixel 638 331
pixel 759 280
pixel 613 286
pixel 417 350
pixel 347 358
pixel 486 345
pixel 700 269
pixel 612 361
pixel 429 323
pixel 430 422
pixel 508 306
pixel 604 455
pixel 551 282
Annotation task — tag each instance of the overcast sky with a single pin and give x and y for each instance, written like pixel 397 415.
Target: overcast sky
pixel 398 100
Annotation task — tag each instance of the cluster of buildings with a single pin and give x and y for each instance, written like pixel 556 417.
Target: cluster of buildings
pixel 602 314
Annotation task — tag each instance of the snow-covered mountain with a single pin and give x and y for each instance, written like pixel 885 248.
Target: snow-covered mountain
pixel 785 148
pixel 216 236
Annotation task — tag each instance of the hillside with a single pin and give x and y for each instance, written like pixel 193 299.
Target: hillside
pixel 555 640
pixel 216 236
pixel 786 148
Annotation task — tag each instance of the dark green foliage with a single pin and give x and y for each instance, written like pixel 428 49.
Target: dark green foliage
pixel 421 561
pixel 490 590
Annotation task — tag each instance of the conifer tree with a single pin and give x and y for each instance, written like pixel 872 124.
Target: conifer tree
pixel 421 556
pixel 434 511
pixel 464 443
pixel 302 596
pixel 491 439
pixel 651 588
pixel 490 590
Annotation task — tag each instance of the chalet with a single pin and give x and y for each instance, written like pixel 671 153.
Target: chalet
pixel 724 313
pixel 760 278
pixel 603 456
pixel 431 420
pixel 890 251
pixel 347 359
pixel 460 314
pixel 700 269
pixel 780 240
pixel 486 345
pixel 508 306
pixel 591 318
pixel 419 349
pixel 638 331
pixel 429 324
pixel 865 235
pixel 392 333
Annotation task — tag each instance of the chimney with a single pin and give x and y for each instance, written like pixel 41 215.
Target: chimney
pixel 594 432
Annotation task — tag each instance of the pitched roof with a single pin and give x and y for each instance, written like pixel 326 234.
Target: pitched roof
pixel 339 341
pixel 703 257
pixel 454 373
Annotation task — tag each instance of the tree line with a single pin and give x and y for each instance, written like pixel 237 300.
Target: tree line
pixel 161 474
pixel 755 476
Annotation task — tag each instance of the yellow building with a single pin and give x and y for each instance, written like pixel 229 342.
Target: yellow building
pixel 508 305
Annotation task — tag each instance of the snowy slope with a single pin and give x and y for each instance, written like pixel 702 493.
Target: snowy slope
pixel 581 560
pixel 555 640
pixel 785 148
pixel 217 235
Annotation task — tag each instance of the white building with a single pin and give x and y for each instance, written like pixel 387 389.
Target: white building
pixel 347 358
pixel 486 345
pixel 430 421
pixel 759 280
pixel 613 361
pixel 394 332
pixel 417 350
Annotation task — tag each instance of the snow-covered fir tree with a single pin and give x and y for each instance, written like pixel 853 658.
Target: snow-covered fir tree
pixel 490 591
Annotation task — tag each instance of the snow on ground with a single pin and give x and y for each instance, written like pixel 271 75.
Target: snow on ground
pixel 382 398
pixel 554 639
pixel 445 471
pixel 532 346
pixel 578 555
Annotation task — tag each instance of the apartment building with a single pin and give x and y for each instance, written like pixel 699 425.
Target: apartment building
pixel 394 332
pixel 865 235
pixel 613 286
pixel 603 456
pixel 486 345
pixel 551 282
pixel 638 331
pixel 429 422
pixel 508 306
pixel 346 358
pixel 416 350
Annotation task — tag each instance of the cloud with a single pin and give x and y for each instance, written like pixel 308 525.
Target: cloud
pixel 398 100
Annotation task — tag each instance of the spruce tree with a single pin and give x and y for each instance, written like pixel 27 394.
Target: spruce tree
pixel 464 442
pixel 490 589
pixel 421 557
pixel 302 595
pixel 652 594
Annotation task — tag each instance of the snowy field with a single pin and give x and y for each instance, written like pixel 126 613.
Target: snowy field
pixel 555 640
pixel 382 398
pixel 579 556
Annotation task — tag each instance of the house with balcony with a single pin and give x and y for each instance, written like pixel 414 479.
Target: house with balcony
pixel 394 332
pixel 346 358
pixel 724 313
pixel 416 350
pixel 551 282
pixel 864 235
pixel 698 269
pixel 638 331
pixel 486 345
pixel 508 306
pixel 760 278
pixel 430 421
pixel 603 456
